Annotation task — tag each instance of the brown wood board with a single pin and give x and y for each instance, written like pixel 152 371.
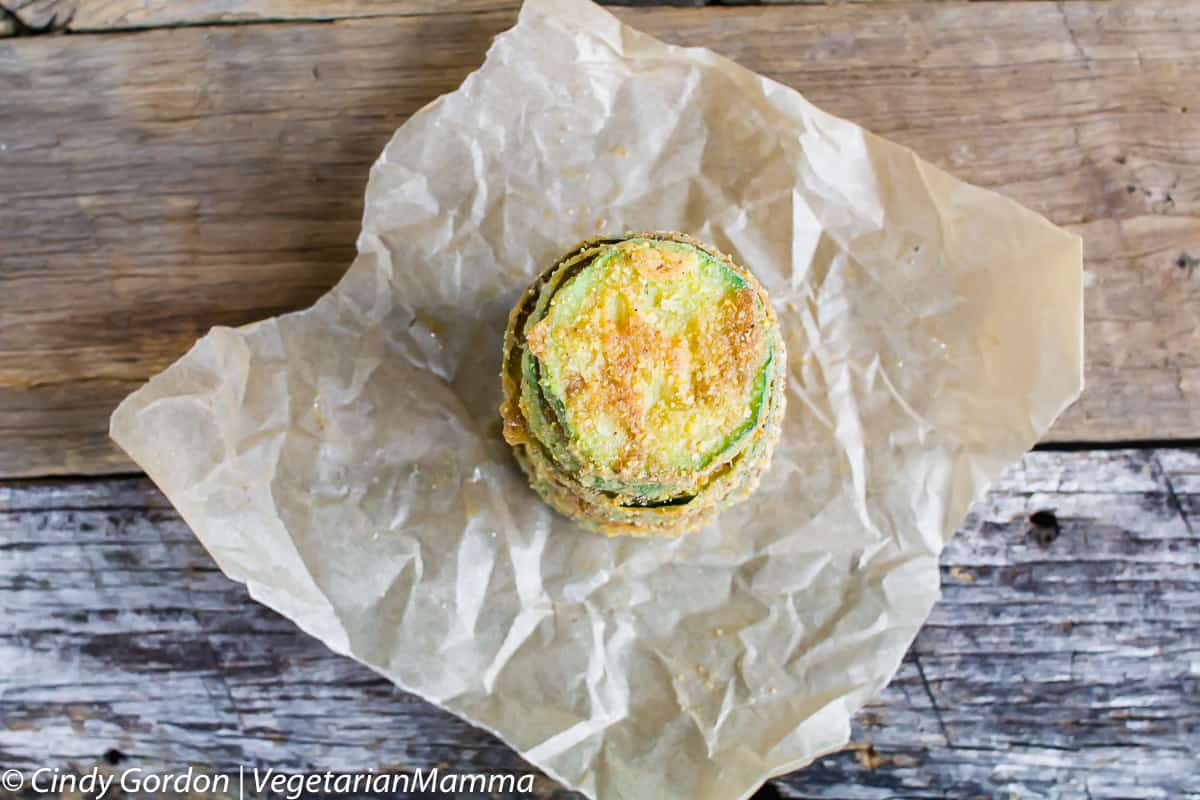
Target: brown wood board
pixel 156 183
pixel 29 17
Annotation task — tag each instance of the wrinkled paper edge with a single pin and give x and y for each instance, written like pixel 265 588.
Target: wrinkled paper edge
pixel 619 36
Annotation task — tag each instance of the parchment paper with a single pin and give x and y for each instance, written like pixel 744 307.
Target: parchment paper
pixel 345 461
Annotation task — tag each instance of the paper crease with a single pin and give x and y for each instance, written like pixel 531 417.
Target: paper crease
pixel 345 461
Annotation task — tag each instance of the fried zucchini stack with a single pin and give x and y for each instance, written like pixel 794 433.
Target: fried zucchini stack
pixel 643 384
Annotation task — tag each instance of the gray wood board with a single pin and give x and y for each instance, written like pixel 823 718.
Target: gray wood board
pixel 1061 662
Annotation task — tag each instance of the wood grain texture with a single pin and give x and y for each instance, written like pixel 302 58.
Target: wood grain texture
pixel 91 16
pixel 155 184
pixel 26 17
pixel 1062 661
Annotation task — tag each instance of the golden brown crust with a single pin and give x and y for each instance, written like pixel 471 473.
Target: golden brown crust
pixel 739 328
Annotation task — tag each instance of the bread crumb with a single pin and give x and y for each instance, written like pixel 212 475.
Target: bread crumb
pixel 961 575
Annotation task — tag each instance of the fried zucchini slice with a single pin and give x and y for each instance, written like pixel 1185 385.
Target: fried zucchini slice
pixel 644 382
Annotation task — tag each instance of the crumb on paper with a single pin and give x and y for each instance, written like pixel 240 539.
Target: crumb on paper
pixel 318 414
pixel 430 324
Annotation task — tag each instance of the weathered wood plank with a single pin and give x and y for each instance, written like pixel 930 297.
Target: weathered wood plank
pixel 160 183
pixel 1061 662
pixel 90 16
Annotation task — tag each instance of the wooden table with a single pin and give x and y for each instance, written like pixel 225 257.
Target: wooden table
pixel 167 167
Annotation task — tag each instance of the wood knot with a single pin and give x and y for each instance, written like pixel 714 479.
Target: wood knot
pixel 1043 526
pixel 1187 262
pixel 113 756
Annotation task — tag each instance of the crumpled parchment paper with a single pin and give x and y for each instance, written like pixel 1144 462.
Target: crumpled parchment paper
pixel 345 461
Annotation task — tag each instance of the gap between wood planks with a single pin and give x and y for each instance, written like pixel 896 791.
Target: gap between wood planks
pixel 1117 444
pixel 1041 447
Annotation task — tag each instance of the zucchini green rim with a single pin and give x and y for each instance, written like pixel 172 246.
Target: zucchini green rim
pixel 538 421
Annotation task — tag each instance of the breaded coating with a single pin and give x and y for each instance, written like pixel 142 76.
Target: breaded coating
pixel 643 384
